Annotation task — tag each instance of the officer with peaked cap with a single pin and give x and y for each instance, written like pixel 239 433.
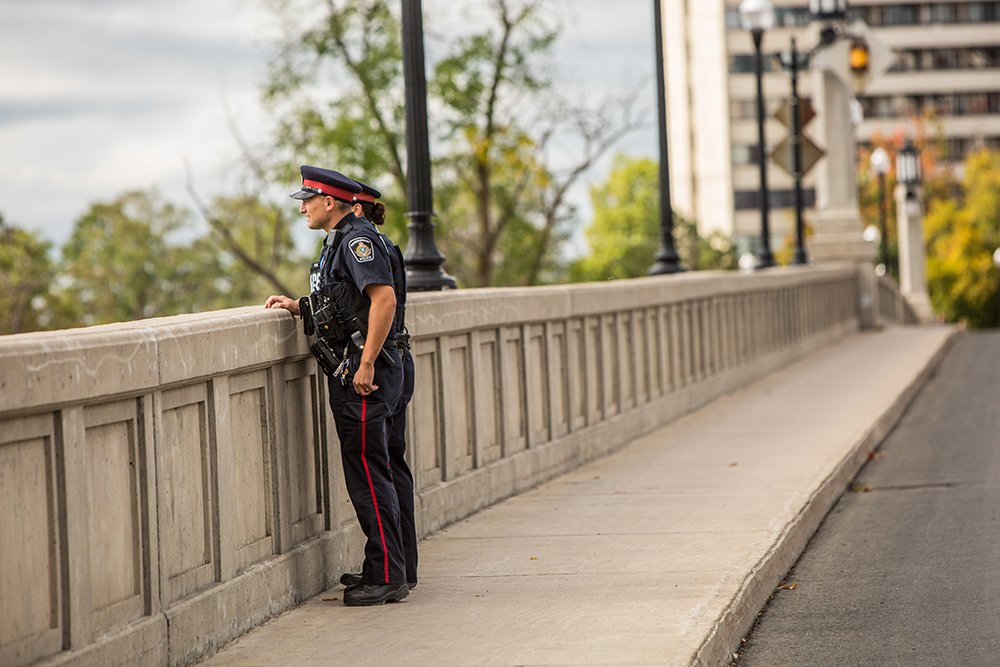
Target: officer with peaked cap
pixel 366 206
pixel 365 386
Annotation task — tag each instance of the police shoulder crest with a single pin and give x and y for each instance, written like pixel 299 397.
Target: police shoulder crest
pixel 362 250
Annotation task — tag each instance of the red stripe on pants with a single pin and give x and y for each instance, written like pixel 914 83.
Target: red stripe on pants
pixel 371 486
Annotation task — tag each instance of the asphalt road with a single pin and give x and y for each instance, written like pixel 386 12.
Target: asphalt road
pixel 905 570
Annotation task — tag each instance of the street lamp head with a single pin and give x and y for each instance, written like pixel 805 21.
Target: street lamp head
pixel 996 258
pixel 880 161
pixel 757 15
pixel 828 10
pixel 908 165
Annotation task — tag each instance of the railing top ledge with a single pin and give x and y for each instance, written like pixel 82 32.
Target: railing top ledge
pixel 74 365
pixel 436 312
pixel 71 366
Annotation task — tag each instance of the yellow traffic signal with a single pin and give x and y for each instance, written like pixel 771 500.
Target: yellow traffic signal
pixel 859 57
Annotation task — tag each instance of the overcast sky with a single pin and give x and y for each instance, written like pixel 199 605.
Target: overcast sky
pixel 98 97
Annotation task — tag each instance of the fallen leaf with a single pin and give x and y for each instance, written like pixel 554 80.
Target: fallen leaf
pixel 330 599
pixel 861 488
pixel 788 587
pixel 733 464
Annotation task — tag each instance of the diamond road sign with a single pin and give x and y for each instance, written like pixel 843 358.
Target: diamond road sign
pixel 784 156
pixel 784 114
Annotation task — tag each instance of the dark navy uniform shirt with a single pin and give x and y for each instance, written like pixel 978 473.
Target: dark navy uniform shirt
pixel 354 253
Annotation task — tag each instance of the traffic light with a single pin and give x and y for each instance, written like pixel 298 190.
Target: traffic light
pixel 860 57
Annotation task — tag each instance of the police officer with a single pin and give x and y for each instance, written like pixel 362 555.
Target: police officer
pixel 365 386
pixel 367 207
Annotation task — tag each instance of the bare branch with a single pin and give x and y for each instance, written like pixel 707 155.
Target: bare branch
pixel 249 158
pixel 368 90
pixel 230 242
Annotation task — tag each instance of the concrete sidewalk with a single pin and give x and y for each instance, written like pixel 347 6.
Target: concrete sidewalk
pixel 660 554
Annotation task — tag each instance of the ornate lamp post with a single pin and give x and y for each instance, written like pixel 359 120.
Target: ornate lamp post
pixel 667 260
pixel 880 167
pixel 996 258
pixel 828 10
pixel 910 233
pixel 996 263
pixel 423 261
pixel 908 171
pixel 757 16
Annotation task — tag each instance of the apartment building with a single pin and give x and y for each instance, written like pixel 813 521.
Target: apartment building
pixel 948 61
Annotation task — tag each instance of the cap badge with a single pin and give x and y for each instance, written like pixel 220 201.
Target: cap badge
pixel 362 249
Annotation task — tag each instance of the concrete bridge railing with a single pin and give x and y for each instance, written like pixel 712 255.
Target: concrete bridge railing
pixel 166 485
pixel 892 305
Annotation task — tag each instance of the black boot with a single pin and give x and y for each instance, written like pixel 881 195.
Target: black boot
pixel 367 595
pixel 350 579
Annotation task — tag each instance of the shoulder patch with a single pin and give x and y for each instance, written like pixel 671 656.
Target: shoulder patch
pixel 362 249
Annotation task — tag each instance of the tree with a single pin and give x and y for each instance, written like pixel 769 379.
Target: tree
pixel 502 208
pixel 255 245
pixel 125 260
pixel 355 49
pixel 624 237
pixel 938 181
pixel 26 276
pixel 961 236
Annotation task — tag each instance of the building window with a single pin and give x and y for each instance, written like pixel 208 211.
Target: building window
pixel 745 200
pixel 949 104
pixel 791 17
pixel 733 19
pixel 941 13
pixel 744 63
pixel 743 109
pixel 976 57
pixel 900 15
pixel 744 154
pixel 936 13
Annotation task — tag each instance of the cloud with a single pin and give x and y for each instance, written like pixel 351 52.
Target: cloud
pixel 107 95
pixel 104 96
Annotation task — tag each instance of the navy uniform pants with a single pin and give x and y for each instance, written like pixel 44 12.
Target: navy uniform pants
pixel 363 428
pixel 402 478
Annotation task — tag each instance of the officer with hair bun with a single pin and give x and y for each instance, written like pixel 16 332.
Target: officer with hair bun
pixel 367 207
pixel 351 309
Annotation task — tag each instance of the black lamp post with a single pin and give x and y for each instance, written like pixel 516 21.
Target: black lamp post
pixel 793 64
pixel 423 261
pixel 880 167
pixel 667 260
pixel 757 16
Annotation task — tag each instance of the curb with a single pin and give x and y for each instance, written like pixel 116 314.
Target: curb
pixel 757 587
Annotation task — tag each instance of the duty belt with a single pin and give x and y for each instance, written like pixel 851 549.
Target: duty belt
pixel 403 340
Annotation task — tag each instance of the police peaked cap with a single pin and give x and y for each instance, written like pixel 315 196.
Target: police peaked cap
pixel 319 181
pixel 368 193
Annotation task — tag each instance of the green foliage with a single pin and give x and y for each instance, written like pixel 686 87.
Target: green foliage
pixel 501 208
pixel 938 183
pixel 125 261
pixel 258 252
pixel 353 48
pixel 26 277
pixel 497 214
pixel 137 257
pixel 624 237
pixel 961 236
